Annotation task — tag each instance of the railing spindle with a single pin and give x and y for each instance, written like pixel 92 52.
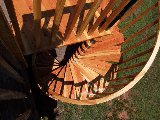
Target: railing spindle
pixel 131 67
pixel 113 15
pixel 139 17
pixel 139 32
pixel 12 15
pixel 88 17
pixel 74 17
pixel 123 78
pixel 37 21
pixel 137 55
pixel 131 9
pixel 57 18
pixel 140 42
pixel 107 9
pixel 10 71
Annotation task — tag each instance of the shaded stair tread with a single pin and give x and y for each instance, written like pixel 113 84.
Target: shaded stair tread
pixel 78 80
pixel 68 82
pixel 44 70
pixel 57 84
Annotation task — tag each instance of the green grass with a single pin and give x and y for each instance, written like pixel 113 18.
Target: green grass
pixel 144 100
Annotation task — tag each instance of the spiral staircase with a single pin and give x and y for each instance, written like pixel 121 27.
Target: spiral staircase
pixel 83 52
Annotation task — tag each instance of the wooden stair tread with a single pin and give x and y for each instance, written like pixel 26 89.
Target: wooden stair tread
pixel 68 78
pixel 106 58
pixel 99 71
pixel 77 77
pixel 78 80
pixel 57 85
pixel 96 64
pixel 100 53
pixel 87 73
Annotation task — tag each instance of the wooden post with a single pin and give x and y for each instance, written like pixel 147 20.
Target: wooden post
pixel 57 18
pixel 37 21
pixel 89 16
pixel 113 15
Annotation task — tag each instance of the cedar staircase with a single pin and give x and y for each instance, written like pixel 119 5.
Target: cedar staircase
pixel 92 45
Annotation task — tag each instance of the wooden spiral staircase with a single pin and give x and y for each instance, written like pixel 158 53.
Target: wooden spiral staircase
pixel 79 48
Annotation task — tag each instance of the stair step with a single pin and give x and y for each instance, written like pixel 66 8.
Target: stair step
pixel 55 80
pixel 88 74
pixel 68 82
pixel 78 80
pixel 59 83
pixel 98 66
